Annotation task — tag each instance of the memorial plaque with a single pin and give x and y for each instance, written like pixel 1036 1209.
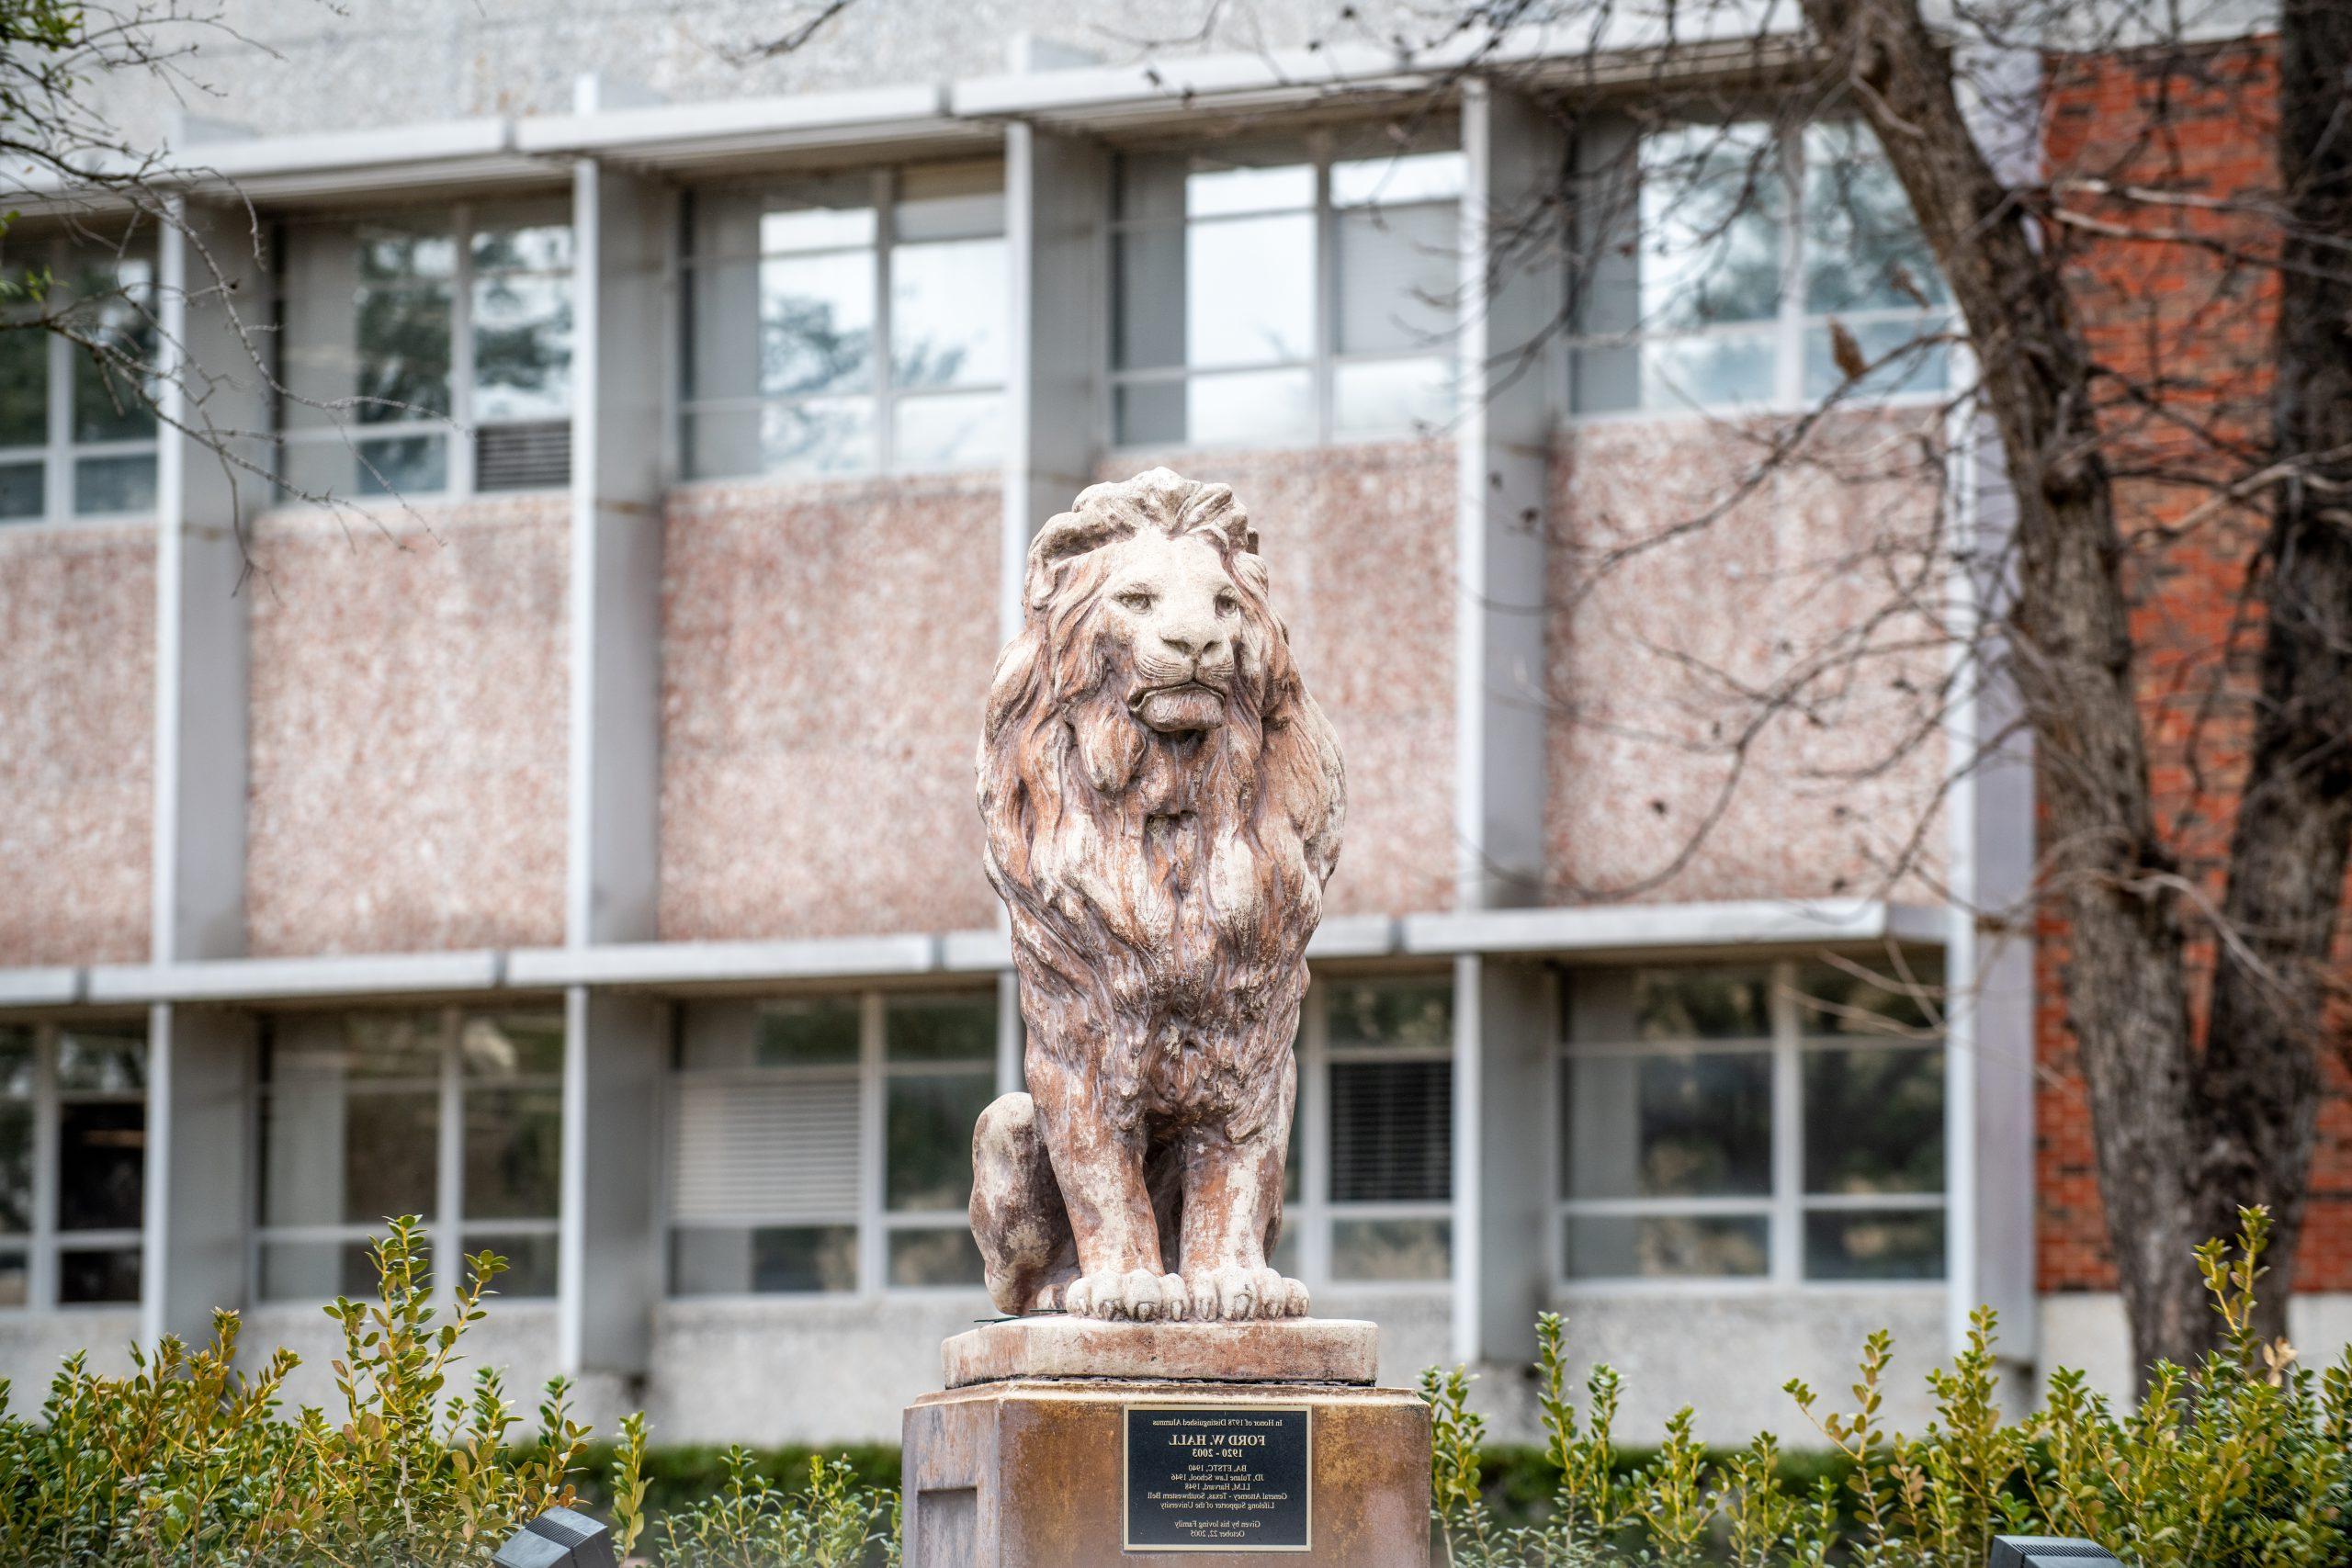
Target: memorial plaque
pixel 1219 1478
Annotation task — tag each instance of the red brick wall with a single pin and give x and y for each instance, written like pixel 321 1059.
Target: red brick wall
pixel 2183 322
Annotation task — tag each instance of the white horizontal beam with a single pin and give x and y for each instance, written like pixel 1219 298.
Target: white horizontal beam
pixel 1630 928
pixel 275 979
pixel 56 985
pixel 674 134
pixel 724 963
pixel 1357 936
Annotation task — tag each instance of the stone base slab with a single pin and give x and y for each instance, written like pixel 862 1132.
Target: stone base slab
pixel 1298 1350
pixel 1032 1474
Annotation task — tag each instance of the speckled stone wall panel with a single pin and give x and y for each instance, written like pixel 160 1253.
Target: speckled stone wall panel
pixel 77 740
pixel 1360 541
pixel 825 655
pixel 1657 791
pixel 408 730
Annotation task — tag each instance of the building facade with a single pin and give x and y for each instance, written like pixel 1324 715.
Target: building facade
pixel 571 841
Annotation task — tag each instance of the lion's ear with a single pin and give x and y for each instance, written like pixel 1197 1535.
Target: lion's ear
pixel 1214 507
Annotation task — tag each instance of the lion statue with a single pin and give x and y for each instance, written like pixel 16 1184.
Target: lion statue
pixel 1163 803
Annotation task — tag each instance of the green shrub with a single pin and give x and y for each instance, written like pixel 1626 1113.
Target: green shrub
pixel 2244 1460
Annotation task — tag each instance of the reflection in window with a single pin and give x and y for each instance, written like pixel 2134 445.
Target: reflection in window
pixel 77 418
pixel 1679 1085
pixel 1229 330
pixel 1715 284
pixel 356 1108
pixel 74 1099
pixel 790 286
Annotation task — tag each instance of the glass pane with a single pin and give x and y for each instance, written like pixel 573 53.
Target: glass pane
pixel 1712 207
pixel 1284 1259
pixel 405 248
pixel 407 464
pixel 1709 372
pixel 1907 356
pixel 316 1270
pixel 101 1165
pixel 514 1151
pixel 1416 1014
pixel 510 1044
pixel 22 492
pixel 1661 1247
pixel 934 1258
pixel 947 317
pixel 1392 397
pixel 1864 248
pixel 931 434
pixel 307 1048
pixel 950 202
pixel 1393 181
pixel 1844 1245
pixel 1249 408
pixel 522 327
pixel 928 1139
pixel 103 1058
pixel 1217 294
pixel 403 355
pixel 1873 998
pixel 24 386
pixel 816 324
pixel 805 1034
pixel 1365 1250
pixel 90 1277
pixel 768 1258
pixel 939 1029
pixel 104 485
pixel 538 247
pixel 1701 1004
pixel 15 1278
pixel 334 1158
pixel 1392 1132
pixel 835 437
pixel 17 1047
pixel 16 1168
pixel 1399 276
pixel 530 1260
pixel 1669 1124
pixel 111 383
pixel 1874 1121
pixel 817 228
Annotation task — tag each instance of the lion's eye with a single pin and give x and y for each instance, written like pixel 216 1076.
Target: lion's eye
pixel 1136 600
pixel 1226 604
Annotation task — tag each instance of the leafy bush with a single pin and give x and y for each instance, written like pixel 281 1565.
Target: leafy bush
pixel 2246 1460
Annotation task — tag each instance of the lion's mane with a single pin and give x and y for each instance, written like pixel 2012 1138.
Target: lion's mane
pixel 1161 889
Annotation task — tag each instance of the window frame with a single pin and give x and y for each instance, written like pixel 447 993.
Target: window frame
pixel 885 192
pixel 875 1223
pixel 1312 1215
pixel 446 1219
pixel 456 430
pixel 58 453
pixel 1786 1205
pixel 1323 361
pixel 44 1244
pixel 1787 328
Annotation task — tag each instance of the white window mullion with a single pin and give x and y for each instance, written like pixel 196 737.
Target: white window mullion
pixel 449 1165
pixel 1327 290
pixel 886 456
pixel 1787 1132
pixel 1788 372
pixel 460 463
pixel 1314 1140
pixel 41 1260
pixel 56 487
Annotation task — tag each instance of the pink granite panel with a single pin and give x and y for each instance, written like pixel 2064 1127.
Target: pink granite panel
pixel 1360 541
pixel 1666 782
pixel 825 655
pixel 408 730
pixel 77 730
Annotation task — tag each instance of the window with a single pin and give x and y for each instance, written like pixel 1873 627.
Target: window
pixel 452 1114
pixel 1368 1188
pixel 1779 1123
pixel 429 351
pixel 825 1144
pixel 847 324
pixel 77 435
pixel 1294 292
pixel 1751 244
pixel 72 1162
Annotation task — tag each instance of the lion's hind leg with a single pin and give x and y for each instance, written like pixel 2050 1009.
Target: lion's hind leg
pixel 1018 1216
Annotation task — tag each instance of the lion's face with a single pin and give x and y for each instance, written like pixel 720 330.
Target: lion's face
pixel 1175 613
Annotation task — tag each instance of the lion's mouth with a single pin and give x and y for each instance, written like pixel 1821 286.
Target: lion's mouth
pixel 1181 709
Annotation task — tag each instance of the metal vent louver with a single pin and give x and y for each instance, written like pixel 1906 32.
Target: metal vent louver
pixel 537 456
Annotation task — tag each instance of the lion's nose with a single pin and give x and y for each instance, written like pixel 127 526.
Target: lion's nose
pixel 1194 642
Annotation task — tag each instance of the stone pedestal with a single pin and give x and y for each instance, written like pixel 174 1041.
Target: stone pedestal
pixel 1062 1443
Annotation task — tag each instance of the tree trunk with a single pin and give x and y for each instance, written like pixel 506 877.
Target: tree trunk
pixel 2257 1085
pixel 2068 647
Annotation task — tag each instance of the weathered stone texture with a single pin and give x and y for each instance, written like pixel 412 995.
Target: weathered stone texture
pixel 77 725
pixel 825 653
pixel 1317 1349
pixel 1361 543
pixel 1653 673
pixel 408 730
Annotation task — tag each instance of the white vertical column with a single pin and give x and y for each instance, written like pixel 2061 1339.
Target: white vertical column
pixel 609 1272
pixel 1056 209
pixel 1503 1024
pixel 215 399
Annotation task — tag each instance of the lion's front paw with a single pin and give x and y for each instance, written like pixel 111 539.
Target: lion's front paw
pixel 1137 1296
pixel 1233 1294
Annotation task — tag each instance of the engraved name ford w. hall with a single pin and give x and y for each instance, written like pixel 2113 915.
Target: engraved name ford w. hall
pixel 1219 1478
